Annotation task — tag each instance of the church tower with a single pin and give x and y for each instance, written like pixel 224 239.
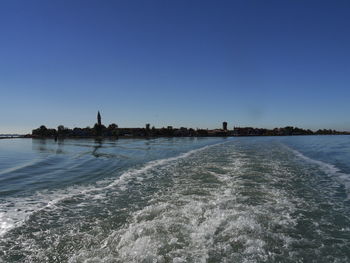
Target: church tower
pixel 98 118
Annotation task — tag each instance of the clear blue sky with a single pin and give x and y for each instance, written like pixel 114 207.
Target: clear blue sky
pixel 181 63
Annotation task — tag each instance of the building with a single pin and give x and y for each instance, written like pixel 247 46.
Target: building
pixel 99 118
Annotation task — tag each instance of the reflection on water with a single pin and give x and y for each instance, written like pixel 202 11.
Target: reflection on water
pixel 98 144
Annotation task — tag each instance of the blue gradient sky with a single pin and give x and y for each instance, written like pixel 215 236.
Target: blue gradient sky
pixel 181 63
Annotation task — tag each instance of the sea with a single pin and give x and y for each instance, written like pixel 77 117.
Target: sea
pixel 239 199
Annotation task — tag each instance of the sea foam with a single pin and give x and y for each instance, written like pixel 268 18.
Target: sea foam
pixel 14 211
pixel 330 169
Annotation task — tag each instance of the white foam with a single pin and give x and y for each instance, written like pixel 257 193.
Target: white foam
pixel 235 219
pixel 153 164
pixel 22 208
pixel 5 224
pixel 330 169
pixel 181 227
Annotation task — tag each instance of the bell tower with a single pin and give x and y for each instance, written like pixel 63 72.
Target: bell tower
pixel 224 126
pixel 98 118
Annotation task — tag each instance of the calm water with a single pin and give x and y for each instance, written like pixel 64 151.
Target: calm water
pixel 277 199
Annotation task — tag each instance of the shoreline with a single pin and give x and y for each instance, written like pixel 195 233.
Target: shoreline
pixel 155 137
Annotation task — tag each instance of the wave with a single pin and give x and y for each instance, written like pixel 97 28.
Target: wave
pixel 21 166
pixel 23 207
pixel 152 164
pixel 330 169
pixel 183 226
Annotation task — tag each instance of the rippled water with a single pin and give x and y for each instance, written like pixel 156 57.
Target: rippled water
pixel 262 199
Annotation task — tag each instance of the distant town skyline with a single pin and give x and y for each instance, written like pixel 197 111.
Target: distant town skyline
pixel 181 63
pixel 113 131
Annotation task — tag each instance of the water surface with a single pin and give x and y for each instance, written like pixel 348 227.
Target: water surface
pixel 259 199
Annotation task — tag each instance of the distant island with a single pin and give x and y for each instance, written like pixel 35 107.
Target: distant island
pixel 113 131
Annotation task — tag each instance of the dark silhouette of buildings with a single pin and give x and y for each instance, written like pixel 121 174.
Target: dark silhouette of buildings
pixel 113 131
